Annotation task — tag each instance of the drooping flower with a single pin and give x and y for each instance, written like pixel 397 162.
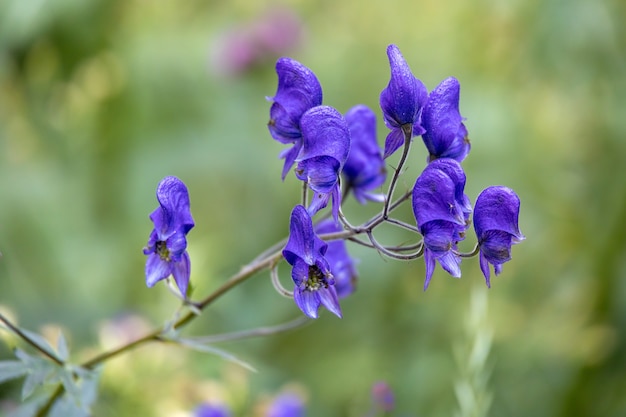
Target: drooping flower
pixel 287 404
pixel 167 245
pixel 314 283
pixel 401 102
pixel 341 264
pixel 364 170
pixel 298 91
pixel 440 219
pixel 446 135
pixel 211 410
pixel 496 215
pixel 325 148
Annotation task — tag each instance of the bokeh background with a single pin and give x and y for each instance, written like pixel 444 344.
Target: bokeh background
pixel 100 99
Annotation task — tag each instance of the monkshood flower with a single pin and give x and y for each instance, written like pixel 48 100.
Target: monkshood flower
pixel 496 215
pixel 341 264
pixel 446 135
pixel 440 218
pixel 211 410
pixel 364 170
pixel 286 405
pixel 167 245
pixel 401 102
pixel 314 283
pixel 453 169
pixel 298 91
pixel 325 148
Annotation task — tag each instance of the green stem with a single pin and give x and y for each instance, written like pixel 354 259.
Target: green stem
pixel 407 129
pixel 30 341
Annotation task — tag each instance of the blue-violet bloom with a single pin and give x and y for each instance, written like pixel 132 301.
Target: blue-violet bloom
pixel 401 102
pixel 325 148
pixel 496 215
pixel 440 219
pixel 287 404
pixel 167 245
pixel 211 410
pixel 446 135
pixel 298 91
pixel 364 170
pixel 314 283
pixel 342 266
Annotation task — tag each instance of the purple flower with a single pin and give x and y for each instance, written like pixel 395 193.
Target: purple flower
pixel 365 169
pixel 166 250
pixel 341 264
pixel 441 217
pixel 211 410
pixel 382 396
pixel 496 225
pixel 325 147
pixel 401 101
pixel 314 283
pixel 446 135
pixel 286 405
pixel 298 91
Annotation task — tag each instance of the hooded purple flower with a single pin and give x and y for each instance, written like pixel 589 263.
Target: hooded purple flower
pixel 298 91
pixel 341 264
pixel 446 135
pixel 211 410
pixel 440 217
pixel 314 283
pixel 325 147
pixel 496 215
pixel 365 169
pixel 286 405
pixel 401 101
pixel 166 250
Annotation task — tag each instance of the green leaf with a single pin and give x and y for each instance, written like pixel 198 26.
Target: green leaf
pixel 40 341
pixel 11 370
pixel 62 349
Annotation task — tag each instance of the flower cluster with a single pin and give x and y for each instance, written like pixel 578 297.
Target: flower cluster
pixel 336 155
pixel 328 148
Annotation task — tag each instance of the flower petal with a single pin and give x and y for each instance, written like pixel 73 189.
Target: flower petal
pixel 445 135
pixel 307 301
pixel 328 298
pixel 302 243
pixel 394 140
pixel 156 269
pixel 325 133
pixel 434 198
pixel 401 101
pixel 497 208
pixel 181 270
pixel 175 213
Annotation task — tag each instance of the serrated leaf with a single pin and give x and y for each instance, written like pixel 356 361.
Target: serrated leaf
pixel 34 379
pixel 62 349
pixel 11 370
pixel 40 341
pixel 90 378
pixel 201 347
pixel 66 407
pixel 71 386
pixel 28 408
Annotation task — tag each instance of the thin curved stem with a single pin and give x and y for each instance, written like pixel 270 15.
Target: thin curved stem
pixel 471 254
pixel 276 283
pixel 403 225
pixel 407 129
pixel 391 254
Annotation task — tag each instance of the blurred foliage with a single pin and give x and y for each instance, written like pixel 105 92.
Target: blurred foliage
pixel 101 99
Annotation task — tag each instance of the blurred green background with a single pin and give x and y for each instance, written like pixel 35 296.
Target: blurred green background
pixel 101 99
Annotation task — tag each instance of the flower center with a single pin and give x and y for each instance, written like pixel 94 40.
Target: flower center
pixel 316 279
pixel 160 248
